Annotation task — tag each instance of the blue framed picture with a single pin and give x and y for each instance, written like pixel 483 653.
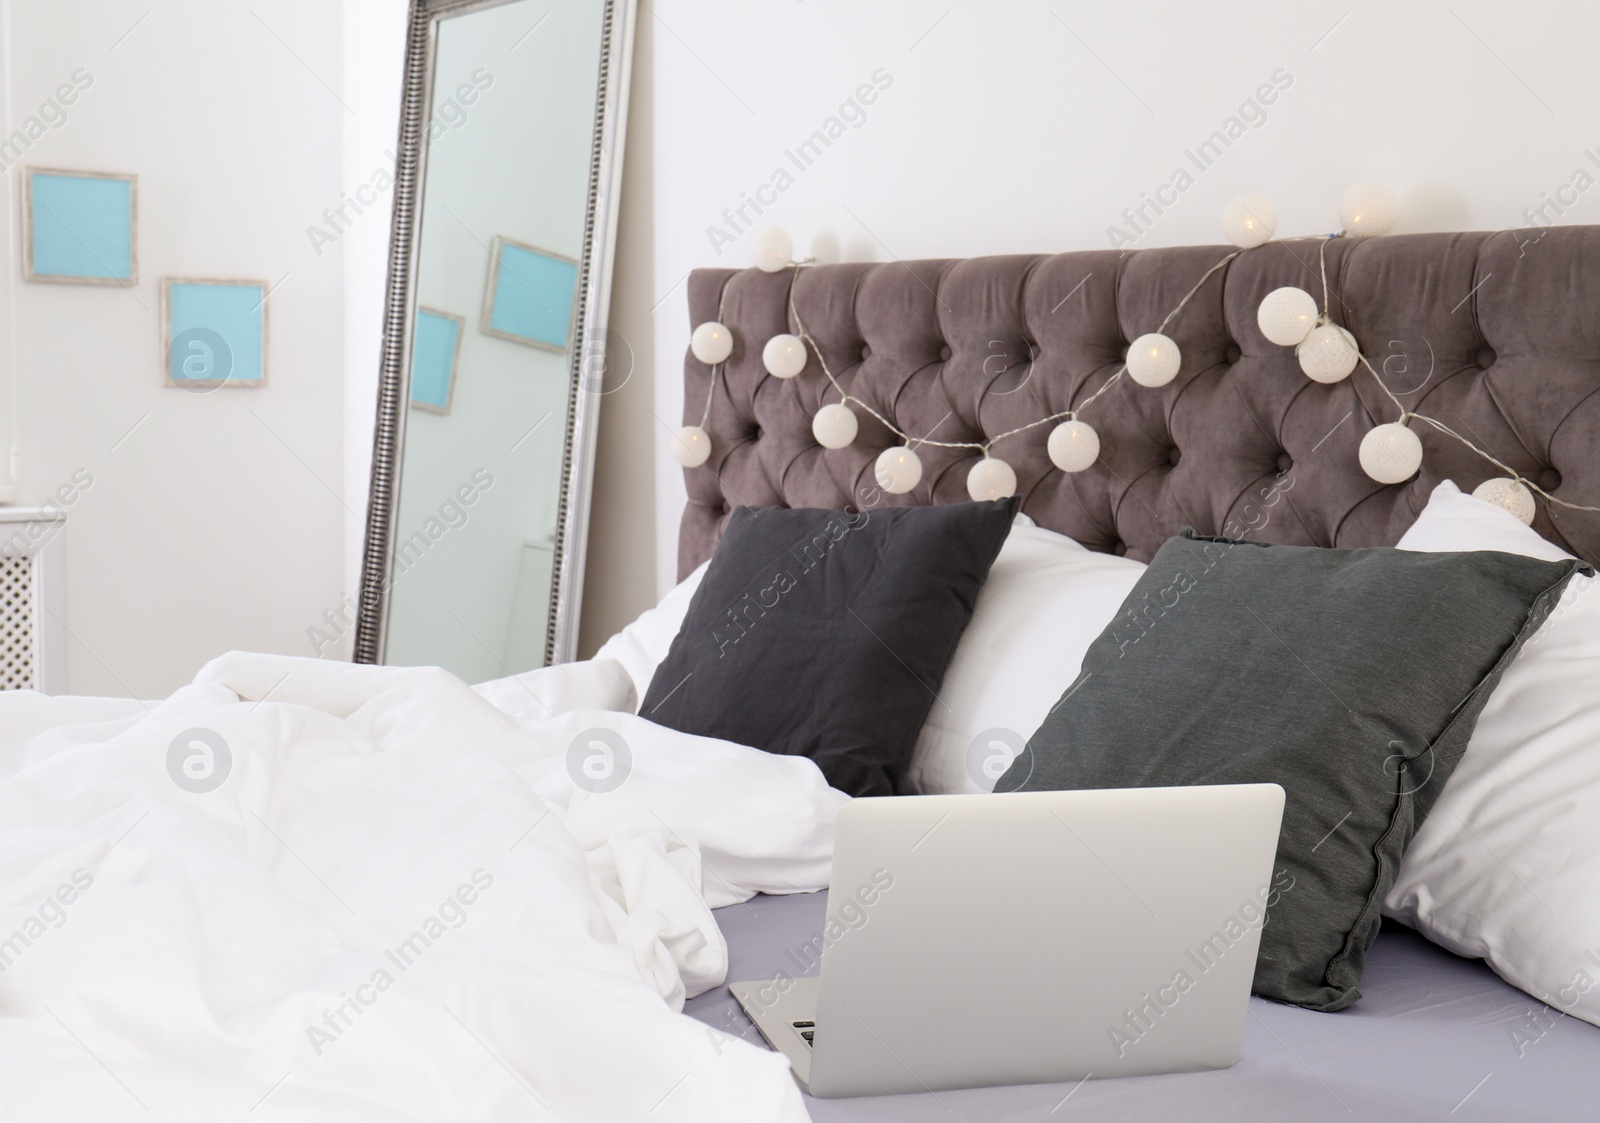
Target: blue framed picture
pixel 532 294
pixel 435 352
pixel 213 332
pixel 79 228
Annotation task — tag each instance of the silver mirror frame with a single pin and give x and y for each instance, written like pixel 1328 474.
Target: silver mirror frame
pixel 592 314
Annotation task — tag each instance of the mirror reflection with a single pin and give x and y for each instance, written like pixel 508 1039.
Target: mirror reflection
pixel 504 198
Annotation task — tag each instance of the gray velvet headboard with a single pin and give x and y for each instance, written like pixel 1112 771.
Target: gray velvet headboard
pixel 1496 335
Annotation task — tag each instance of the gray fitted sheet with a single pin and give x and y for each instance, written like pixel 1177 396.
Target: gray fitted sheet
pixel 1431 1038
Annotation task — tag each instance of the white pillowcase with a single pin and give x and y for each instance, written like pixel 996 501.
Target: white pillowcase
pixel 642 645
pixel 1046 600
pixel 1507 865
pixel 536 696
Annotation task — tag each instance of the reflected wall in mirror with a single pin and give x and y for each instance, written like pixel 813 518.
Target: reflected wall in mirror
pixel 508 166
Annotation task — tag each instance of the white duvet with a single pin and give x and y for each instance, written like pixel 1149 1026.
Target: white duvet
pixel 397 901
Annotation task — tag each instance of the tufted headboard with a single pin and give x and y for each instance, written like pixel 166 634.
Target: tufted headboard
pixel 1496 335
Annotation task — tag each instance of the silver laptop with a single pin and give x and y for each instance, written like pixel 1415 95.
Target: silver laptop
pixel 1030 938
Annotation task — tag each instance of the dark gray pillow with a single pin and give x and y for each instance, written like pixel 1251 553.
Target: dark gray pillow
pixel 1352 678
pixel 826 634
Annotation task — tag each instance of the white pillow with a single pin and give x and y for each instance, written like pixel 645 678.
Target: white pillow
pixel 1045 601
pixel 642 645
pixel 1507 865
pixel 538 695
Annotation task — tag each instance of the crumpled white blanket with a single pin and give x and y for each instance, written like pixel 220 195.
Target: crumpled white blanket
pixel 306 890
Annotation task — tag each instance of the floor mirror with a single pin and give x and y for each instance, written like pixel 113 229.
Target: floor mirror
pixel 494 355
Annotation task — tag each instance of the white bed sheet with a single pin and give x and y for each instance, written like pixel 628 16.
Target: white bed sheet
pixel 253 951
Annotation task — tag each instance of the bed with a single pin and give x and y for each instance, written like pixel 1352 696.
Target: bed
pixel 301 890
pixel 1495 332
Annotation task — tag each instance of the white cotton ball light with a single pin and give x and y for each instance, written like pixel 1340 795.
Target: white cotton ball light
pixel 784 356
pixel 1073 446
pixel 1329 354
pixel 1287 315
pixel 773 248
pixel 1250 221
pixel 834 426
pixel 991 478
pixel 711 343
pixel 1153 360
pixel 898 470
pixel 1391 453
pixel 691 446
pixel 1508 493
pixel 1367 210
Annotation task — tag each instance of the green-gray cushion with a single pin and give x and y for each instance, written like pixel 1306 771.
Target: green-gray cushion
pixel 1353 678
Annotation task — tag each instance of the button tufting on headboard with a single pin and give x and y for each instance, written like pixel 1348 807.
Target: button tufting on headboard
pixel 1266 453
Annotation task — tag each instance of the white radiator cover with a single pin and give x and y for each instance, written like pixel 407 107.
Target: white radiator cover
pixel 33 612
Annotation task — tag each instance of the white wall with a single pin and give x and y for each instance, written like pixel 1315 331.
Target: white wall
pixel 214 521
pixel 1029 128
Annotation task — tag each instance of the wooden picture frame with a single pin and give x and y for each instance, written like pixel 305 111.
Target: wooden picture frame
pixel 205 317
pixel 83 234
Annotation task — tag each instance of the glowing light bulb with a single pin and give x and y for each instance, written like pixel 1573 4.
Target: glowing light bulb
pixel 898 470
pixel 1391 453
pixel 1249 220
pixel 1287 315
pixel 991 478
pixel 1073 446
pixel 1329 354
pixel 711 343
pixel 784 356
pixel 773 248
pixel 690 446
pixel 1508 493
pixel 1153 360
pixel 1367 210
pixel 834 426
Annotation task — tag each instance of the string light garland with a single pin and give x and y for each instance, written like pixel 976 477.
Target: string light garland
pixel 1390 453
pixel 711 343
pixel 1327 352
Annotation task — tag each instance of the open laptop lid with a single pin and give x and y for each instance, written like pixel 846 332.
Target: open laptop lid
pixel 1041 936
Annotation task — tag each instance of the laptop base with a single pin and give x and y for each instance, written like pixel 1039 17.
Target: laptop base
pixel 776 1005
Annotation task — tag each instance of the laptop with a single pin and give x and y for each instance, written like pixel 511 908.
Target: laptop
pixel 1030 937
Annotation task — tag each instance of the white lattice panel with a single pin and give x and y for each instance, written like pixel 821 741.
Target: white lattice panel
pixel 33 606
pixel 18 659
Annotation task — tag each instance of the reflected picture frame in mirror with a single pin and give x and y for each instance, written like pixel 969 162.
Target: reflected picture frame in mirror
pixel 434 361
pixel 586 324
pixel 508 317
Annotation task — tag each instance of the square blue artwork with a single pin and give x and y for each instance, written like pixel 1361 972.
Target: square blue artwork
pixel 81 227
pixel 531 296
pixel 433 359
pixel 216 332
